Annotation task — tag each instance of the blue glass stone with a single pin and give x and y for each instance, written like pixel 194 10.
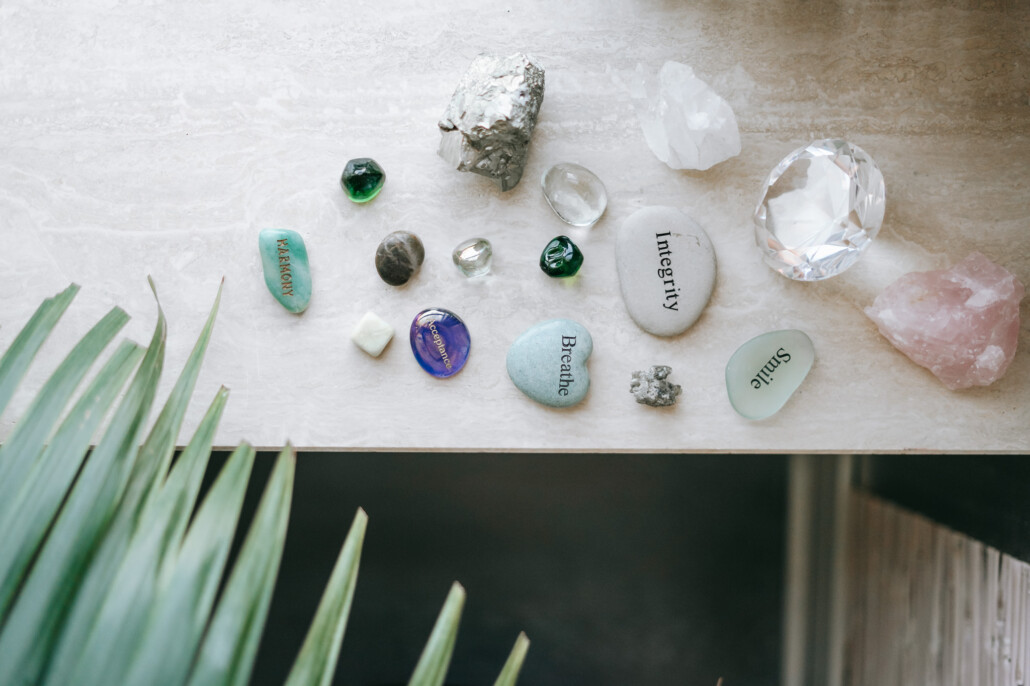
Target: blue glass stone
pixel 440 341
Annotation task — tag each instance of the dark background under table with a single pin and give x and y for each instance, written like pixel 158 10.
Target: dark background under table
pixel 627 569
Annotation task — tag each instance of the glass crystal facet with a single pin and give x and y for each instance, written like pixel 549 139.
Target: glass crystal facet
pixel 821 206
pixel 561 258
pixel 575 193
pixel 362 179
pixel 473 257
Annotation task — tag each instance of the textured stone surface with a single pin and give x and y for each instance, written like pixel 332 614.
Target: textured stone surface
pixel 399 257
pixel 652 387
pixel 960 323
pixel 687 124
pixel 490 119
pixel 158 139
pixel 666 267
pixel 548 362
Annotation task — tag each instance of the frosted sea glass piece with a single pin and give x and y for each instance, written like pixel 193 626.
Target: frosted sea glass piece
pixel 764 372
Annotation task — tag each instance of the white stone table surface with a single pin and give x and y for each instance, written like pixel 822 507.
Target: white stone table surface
pixel 158 138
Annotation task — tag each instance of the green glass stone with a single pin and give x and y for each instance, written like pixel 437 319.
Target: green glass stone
pixel 362 179
pixel 561 258
pixel 764 372
pixel 284 260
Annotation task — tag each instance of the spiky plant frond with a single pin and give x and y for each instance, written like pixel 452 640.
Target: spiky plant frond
pixel 110 568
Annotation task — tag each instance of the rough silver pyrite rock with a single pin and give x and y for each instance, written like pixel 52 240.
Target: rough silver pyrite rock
pixel 491 116
pixel 652 387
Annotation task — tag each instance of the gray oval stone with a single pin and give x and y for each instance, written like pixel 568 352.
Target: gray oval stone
pixel 666 267
pixel 399 257
pixel 548 362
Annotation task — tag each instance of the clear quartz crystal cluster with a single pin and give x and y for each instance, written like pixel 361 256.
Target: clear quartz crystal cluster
pixel 686 124
pixel 821 206
pixel 960 323
pixel 491 116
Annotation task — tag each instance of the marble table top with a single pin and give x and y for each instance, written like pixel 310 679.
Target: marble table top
pixel 159 139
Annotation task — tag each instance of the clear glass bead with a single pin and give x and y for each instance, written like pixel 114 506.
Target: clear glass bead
pixel 575 193
pixel 821 207
pixel 473 257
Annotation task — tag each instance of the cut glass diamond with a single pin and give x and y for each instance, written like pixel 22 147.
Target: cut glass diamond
pixel 821 207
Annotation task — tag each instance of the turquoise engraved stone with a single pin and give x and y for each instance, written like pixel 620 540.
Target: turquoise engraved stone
pixel 549 362
pixel 764 372
pixel 284 260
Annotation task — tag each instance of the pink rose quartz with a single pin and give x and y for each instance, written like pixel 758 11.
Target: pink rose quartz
pixel 960 323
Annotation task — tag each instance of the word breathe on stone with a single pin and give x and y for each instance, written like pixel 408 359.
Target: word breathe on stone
pixel 764 372
pixel 652 388
pixel 666 267
pixel 565 377
pixel 440 341
pixel 821 207
pixel 575 193
pixel 473 257
pixel 548 362
pixel 372 334
pixel 399 257
pixel 284 261
pixel 561 258
pixel 960 323
pixel 362 179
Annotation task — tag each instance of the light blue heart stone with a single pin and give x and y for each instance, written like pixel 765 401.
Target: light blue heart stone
pixel 549 362
pixel 284 260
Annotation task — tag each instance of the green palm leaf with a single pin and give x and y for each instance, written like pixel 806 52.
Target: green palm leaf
pixel 431 669
pixel 150 468
pixel 27 343
pixel 187 586
pixel 104 578
pixel 230 645
pixel 19 452
pixel 113 630
pixel 32 623
pixel 30 511
pixel 510 674
pixel 316 661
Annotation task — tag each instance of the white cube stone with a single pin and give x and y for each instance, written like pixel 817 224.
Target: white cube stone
pixel 372 334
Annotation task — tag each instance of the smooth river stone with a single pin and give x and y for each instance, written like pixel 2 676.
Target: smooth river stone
pixel 548 362
pixel 284 260
pixel 666 267
pixel 399 257
pixel 764 372
pixel 440 341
